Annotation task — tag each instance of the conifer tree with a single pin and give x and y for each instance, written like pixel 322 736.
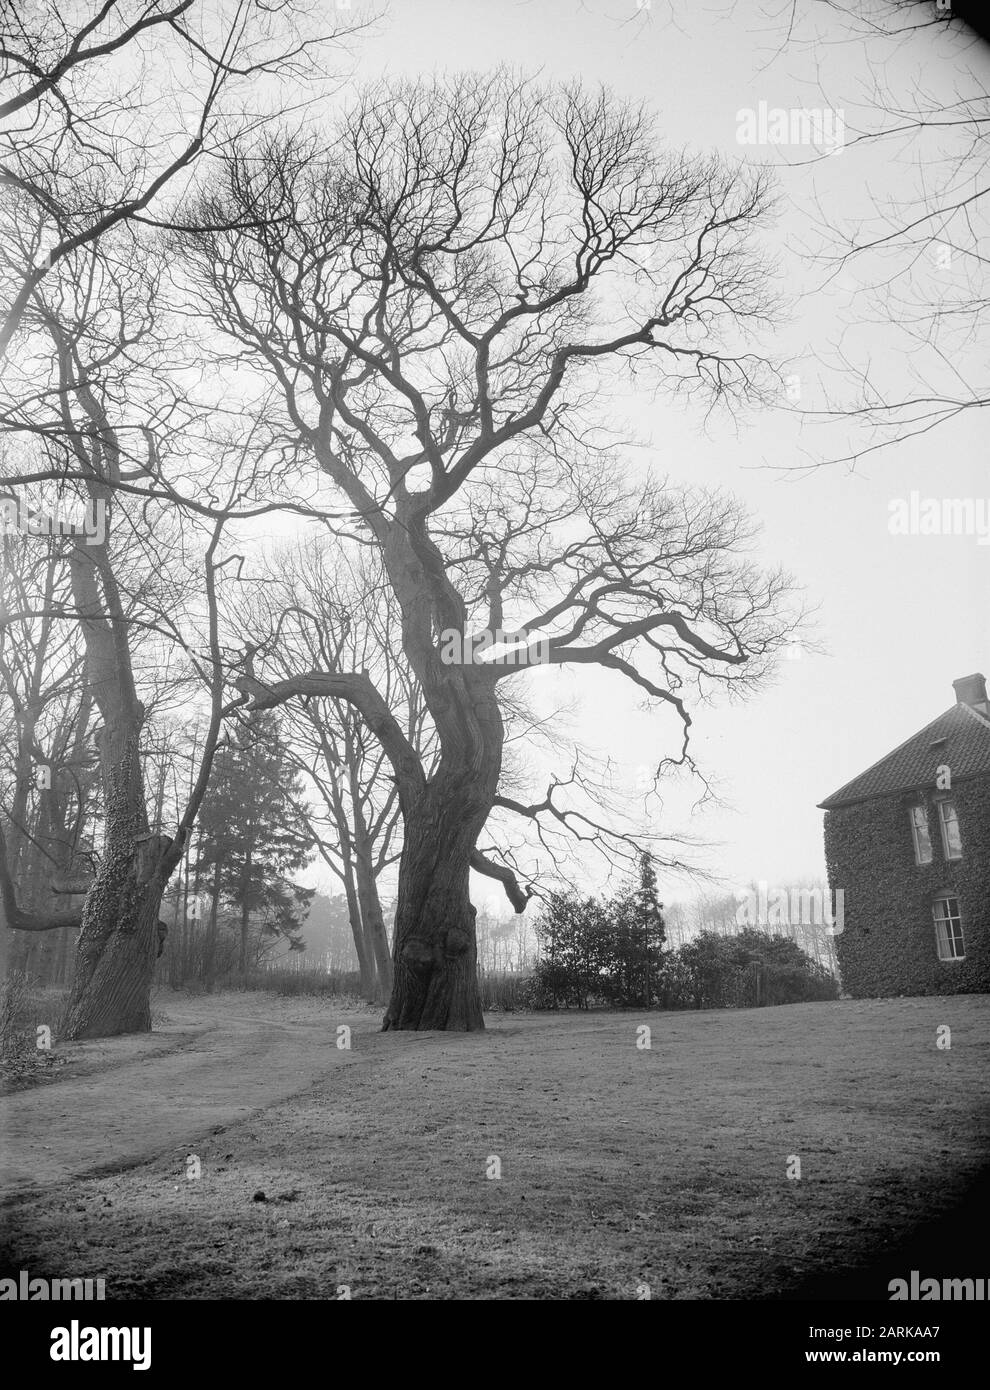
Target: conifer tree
pixel 254 835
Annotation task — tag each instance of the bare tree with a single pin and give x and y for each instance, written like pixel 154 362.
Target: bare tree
pixel 333 607
pixel 105 103
pixel 126 577
pixel 47 712
pixel 916 261
pixel 441 292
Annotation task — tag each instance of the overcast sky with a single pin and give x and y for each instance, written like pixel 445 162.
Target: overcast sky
pixel 899 616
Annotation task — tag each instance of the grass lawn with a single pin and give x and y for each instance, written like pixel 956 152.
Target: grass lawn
pixel 620 1167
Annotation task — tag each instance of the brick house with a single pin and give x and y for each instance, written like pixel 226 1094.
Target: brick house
pixel 908 842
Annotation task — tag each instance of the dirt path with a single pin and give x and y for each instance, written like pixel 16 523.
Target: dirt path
pixel 127 1100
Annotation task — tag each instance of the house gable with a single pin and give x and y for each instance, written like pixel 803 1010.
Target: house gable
pixel 889 945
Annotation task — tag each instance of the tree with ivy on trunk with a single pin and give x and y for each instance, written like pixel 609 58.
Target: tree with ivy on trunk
pixel 148 552
pixel 104 108
pixel 437 289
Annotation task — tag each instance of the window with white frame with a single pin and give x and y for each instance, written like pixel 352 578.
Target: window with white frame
pixel 948 928
pixel 920 835
pixel 948 820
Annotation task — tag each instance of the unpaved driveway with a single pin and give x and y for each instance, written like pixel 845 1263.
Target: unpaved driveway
pixel 126 1100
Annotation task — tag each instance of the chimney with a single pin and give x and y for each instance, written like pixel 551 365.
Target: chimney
pixel 972 691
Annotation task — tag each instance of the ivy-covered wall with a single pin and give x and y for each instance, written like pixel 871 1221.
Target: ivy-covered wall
pixel 888 946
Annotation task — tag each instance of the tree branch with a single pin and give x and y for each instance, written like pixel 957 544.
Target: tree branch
pixel 516 894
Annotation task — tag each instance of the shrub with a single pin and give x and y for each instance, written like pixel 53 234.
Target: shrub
pixel 596 953
pixel 789 984
pixel 601 951
pixel 749 970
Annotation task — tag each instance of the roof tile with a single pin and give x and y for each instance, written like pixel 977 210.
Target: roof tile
pixel 966 750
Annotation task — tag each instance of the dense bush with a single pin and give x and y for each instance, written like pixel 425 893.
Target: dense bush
pixel 595 955
pixel 601 951
pixel 592 958
pixel 747 970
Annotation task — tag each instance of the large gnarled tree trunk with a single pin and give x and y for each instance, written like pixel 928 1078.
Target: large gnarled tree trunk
pixel 117 946
pixel 435 946
pixel 118 942
pixel 434 954
pixel 436 959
